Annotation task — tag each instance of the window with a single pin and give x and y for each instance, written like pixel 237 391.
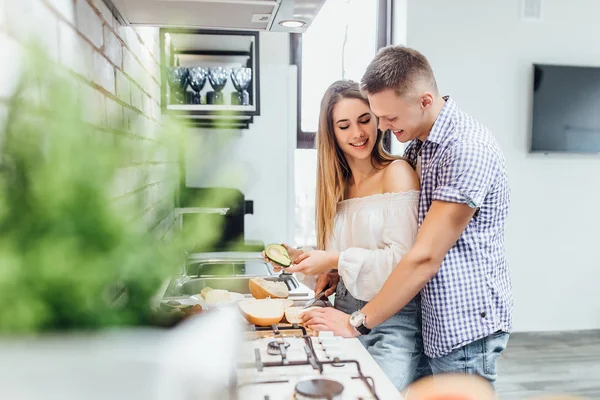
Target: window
pixel 339 44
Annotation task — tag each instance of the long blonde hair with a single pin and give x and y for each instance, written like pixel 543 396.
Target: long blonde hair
pixel 333 172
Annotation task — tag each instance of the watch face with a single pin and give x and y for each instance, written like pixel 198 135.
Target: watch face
pixel 356 319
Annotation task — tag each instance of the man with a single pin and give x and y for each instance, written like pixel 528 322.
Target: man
pixel 458 262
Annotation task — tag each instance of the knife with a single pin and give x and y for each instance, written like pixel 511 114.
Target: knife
pixel 318 297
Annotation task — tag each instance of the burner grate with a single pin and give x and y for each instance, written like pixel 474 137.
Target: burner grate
pixel 311 359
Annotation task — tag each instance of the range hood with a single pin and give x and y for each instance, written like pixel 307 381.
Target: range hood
pixel 254 15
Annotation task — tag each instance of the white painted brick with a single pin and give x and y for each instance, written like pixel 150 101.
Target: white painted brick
pixel 151 130
pixel 113 47
pixel 104 73
pixel 139 155
pixel 89 23
pixel 123 87
pixel 74 52
pixel 66 8
pixel 161 154
pixel 95 106
pixel 144 82
pixel 130 119
pixel 11 55
pixel 136 97
pixel 151 41
pixel 156 111
pixel 114 115
pixel 131 39
pixel 121 145
pixel 105 11
pixel 146 105
pixel 131 66
pixel 135 126
pixel 150 65
pixel 30 20
pixel 147 83
pixel 155 92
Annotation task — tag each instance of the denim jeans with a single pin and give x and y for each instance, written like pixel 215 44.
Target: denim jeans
pixel 479 357
pixel 397 344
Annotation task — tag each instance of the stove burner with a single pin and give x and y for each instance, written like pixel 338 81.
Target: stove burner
pixel 274 348
pixel 336 363
pixel 318 388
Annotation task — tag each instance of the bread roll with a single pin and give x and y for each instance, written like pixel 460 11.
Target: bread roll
pixel 263 312
pixel 293 314
pixel 217 296
pixel 262 289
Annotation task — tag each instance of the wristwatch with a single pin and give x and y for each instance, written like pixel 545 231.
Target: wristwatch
pixel 357 321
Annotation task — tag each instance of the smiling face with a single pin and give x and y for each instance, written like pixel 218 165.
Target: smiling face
pixel 354 128
pixel 405 116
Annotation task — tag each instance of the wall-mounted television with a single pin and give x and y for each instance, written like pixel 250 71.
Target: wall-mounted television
pixel 566 109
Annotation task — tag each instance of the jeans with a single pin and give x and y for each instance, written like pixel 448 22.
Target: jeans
pixel 479 357
pixel 397 344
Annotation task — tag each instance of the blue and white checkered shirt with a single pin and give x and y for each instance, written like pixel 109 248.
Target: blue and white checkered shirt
pixel 471 295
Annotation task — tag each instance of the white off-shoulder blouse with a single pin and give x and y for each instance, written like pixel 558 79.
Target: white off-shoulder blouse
pixel 372 234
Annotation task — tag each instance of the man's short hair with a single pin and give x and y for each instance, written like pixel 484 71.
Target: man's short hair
pixel 398 68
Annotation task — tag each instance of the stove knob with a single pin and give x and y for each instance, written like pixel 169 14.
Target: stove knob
pixel 326 341
pixel 334 353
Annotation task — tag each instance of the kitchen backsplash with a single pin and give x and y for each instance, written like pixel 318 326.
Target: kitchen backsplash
pixel 117 68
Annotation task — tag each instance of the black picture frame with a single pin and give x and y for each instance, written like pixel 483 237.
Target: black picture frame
pixel 254 62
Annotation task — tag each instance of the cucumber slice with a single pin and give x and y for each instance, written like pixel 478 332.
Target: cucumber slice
pixel 278 254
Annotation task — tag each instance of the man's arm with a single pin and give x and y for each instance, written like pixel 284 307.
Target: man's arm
pixel 441 228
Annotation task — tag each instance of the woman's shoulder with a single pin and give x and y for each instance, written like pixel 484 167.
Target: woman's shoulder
pixel 399 176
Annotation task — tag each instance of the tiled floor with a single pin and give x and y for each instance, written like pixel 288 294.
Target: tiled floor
pixel 547 363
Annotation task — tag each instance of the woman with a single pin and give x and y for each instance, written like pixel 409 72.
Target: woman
pixel 366 220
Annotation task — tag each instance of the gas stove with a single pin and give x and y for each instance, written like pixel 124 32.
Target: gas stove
pixel 288 363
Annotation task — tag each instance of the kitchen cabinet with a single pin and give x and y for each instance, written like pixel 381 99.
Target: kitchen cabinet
pixel 210 77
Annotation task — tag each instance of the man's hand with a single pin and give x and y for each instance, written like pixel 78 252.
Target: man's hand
pixel 329 319
pixel 328 280
pixel 315 262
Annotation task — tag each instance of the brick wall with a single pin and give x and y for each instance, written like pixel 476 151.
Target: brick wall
pixel 117 68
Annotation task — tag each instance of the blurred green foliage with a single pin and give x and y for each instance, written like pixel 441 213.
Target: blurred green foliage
pixel 72 257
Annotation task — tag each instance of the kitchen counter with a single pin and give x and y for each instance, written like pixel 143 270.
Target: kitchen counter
pixel 265 371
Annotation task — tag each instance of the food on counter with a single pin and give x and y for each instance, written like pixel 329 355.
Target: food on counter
pixel 264 312
pixel 218 296
pixel 293 314
pixel 195 309
pixel 277 253
pixel 262 289
pixel 172 312
pixel 204 291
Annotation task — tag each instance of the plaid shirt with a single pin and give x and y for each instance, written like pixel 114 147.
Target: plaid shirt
pixel 471 295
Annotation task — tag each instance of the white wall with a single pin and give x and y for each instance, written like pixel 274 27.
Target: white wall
pixel 259 161
pixel 482 54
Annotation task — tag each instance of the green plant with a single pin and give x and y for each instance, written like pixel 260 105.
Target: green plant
pixel 71 257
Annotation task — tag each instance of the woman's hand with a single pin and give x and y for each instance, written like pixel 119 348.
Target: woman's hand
pixel 329 319
pixel 328 280
pixel 293 252
pixel 315 262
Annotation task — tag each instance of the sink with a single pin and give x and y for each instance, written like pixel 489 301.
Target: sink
pixel 228 268
pixel 238 284
pixel 227 271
